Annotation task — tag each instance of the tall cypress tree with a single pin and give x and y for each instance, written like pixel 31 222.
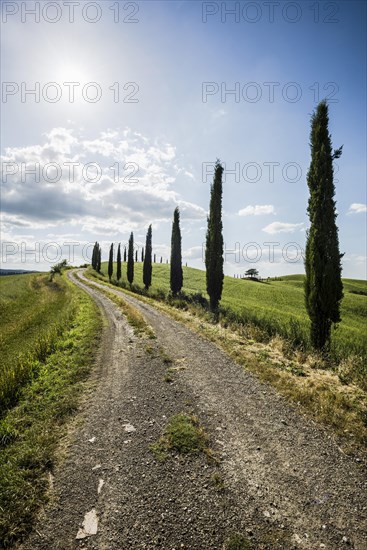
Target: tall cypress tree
pixel 136 256
pixel 214 241
pixel 142 254
pixel 176 275
pixel 155 258
pixel 125 254
pixel 323 284
pixel 130 260
pixel 94 255
pixel 110 262
pixel 118 260
pixel 147 266
pixel 99 258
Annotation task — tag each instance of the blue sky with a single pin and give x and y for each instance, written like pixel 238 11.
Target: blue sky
pixel 172 55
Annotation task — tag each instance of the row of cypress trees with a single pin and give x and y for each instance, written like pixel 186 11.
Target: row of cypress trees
pixel 323 285
pixel 176 273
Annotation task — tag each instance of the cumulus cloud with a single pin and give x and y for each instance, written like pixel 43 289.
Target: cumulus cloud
pixel 122 177
pixel 257 210
pixel 357 208
pixel 282 227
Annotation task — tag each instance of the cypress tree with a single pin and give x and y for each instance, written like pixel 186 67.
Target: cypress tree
pixel 99 258
pixel 161 260
pixel 147 266
pixel 155 258
pixel 176 275
pixel 125 254
pixel 136 256
pixel 118 260
pixel 94 256
pixel 130 260
pixel 323 284
pixel 142 254
pixel 110 262
pixel 214 241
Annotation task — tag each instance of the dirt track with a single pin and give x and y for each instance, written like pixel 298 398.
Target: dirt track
pixel 286 483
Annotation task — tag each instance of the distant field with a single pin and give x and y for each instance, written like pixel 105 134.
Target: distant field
pixel 276 305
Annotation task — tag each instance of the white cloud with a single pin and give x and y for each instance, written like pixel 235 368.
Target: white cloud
pixel 282 227
pixel 357 208
pixel 193 253
pixel 131 197
pixel 257 210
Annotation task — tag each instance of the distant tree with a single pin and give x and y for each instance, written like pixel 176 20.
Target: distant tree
pixel 147 266
pixel 125 254
pixel 118 260
pixel 94 256
pixel 57 268
pixel 136 256
pixel 130 260
pixel 110 263
pixel 99 259
pixel 323 284
pixel 142 254
pixel 252 273
pixel 176 275
pixel 161 260
pixel 214 241
pixel 155 258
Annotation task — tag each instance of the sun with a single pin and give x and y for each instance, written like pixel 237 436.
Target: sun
pixel 69 72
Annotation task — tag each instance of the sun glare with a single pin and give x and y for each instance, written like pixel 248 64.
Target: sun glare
pixel 72 73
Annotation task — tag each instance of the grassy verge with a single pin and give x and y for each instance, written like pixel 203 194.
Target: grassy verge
pixel 329 393
pixel 31 430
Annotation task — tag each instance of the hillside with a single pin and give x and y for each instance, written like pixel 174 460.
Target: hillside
pixel 276 306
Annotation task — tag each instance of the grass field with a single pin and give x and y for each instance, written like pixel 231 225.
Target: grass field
pixel 276 306
pixel 49 335
pixel 34 311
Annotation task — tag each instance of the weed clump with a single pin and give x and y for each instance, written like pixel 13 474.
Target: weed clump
pixel 183 434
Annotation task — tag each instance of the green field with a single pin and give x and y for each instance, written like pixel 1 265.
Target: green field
pixel 276 306
pixel 34 312
pixel 49 336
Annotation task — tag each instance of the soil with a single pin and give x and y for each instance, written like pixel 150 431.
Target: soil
pixel 277 478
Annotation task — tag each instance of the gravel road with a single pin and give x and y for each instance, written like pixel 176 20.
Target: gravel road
pixel 281 480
